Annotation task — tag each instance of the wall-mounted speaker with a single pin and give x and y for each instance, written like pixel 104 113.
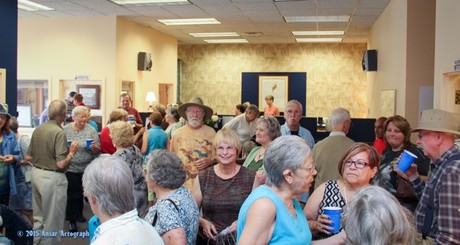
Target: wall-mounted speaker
pixel 144 61
pixel 370 60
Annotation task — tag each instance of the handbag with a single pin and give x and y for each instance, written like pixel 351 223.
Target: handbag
pixel 404 190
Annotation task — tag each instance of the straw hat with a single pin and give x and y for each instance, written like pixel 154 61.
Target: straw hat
pixel 439 121
pixel 4 110
pixel 197 101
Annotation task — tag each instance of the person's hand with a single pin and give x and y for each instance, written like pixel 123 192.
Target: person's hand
pixel 8 159
pixel 203 163
pixel 73 147
pixel 261 177
pixel 209 230
pixel 232 227
pixel 141 130
pixel 323 223
pixel 95 147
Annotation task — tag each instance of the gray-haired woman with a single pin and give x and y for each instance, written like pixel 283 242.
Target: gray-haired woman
pixel 175 214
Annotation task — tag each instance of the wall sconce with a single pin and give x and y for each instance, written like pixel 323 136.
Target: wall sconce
pixel 150 97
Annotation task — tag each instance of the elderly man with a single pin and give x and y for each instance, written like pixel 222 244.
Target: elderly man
pixel 437 215
pixel 125 103
pixel 328 152
pixel 292 115
pixel 50 155
pixel 379 142
pixel 108 183
pixel 245 124
pixel 193 142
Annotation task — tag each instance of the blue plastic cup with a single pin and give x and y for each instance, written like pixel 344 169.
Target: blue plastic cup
pixel 88 143
pixel 406 160
pixel 334 214
pixel 69 142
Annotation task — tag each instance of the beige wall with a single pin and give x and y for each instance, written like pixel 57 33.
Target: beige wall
pixel 102 48
pixel 404 38
pixel 447 50
pixel 334 73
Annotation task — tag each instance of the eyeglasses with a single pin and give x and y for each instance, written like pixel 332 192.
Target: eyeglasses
pixel 358 163
pixel 195 112
pixel 310 169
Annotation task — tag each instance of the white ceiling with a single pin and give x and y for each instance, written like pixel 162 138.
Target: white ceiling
pixel 259 21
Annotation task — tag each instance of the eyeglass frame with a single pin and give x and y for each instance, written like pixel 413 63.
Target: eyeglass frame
pixel 350 162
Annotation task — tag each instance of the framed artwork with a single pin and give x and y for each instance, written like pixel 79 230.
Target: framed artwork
pixel 91 95
pixel 277 86
pixel 388 103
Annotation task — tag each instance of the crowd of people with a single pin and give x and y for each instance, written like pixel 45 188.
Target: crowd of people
pixel 179 181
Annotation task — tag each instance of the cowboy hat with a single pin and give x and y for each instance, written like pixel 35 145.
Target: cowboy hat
pixel 439 121
pixel 196 101
pixel 4 110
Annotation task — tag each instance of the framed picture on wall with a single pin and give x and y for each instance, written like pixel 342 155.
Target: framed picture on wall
pixel 277 86
pixel 91 95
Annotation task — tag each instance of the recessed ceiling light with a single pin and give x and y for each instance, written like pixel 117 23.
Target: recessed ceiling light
pixel 338 18
pixel 318 40
pixel 147 2
pixel 319 33
pixel 226 41
pixel 195 21
pixel 32 6
pixel 215 34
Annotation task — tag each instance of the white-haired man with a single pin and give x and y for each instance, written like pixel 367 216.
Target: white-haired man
pixel 193 142
pixel 292 114
pixel 328 152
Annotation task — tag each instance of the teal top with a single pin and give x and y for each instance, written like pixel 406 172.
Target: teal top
pixel 157 139
pixel 288 229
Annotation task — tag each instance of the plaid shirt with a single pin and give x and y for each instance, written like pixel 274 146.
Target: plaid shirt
pixel 445 178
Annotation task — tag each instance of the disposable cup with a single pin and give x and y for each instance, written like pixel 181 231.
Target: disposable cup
pixel 334 214
pixel 406 160
pixel 69 142
pixel 88 143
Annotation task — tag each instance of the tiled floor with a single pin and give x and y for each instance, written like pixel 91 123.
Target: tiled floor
pixel 82 227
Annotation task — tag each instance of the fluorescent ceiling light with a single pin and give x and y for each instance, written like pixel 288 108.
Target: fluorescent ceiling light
pixel 319 33
pixel 338 18
pixel 195 21
pixel 226 41
pixel 318 40
pixel 31 6
pixel 215 34
pixel 146 2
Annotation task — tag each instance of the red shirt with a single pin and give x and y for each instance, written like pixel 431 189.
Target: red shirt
pixel 106 141
pixel 380 145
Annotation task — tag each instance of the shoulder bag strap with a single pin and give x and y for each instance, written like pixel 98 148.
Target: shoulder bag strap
pixel 155 217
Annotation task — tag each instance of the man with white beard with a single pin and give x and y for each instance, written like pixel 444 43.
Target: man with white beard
pixel 193 142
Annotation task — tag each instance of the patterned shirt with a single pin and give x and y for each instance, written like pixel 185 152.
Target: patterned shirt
pixel 186 215
pixel 84 156
pixel 444 178
pixel 331 198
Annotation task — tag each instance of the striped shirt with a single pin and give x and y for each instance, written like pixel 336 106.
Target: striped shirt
pixel 444 177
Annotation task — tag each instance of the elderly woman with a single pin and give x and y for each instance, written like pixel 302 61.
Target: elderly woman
pixel 267 129
pixel 122 135
pixel 9 157
pixel 357 168
pixel 172 117
pixel 397 136
pixel 271 214
pixel 80 131
pixel 394 225
pixel 108 184
pixel 221 189
pixel 106 142
pixel 175 215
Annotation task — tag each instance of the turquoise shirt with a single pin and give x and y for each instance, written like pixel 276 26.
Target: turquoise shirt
pixel 157 139
pixel 288 229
